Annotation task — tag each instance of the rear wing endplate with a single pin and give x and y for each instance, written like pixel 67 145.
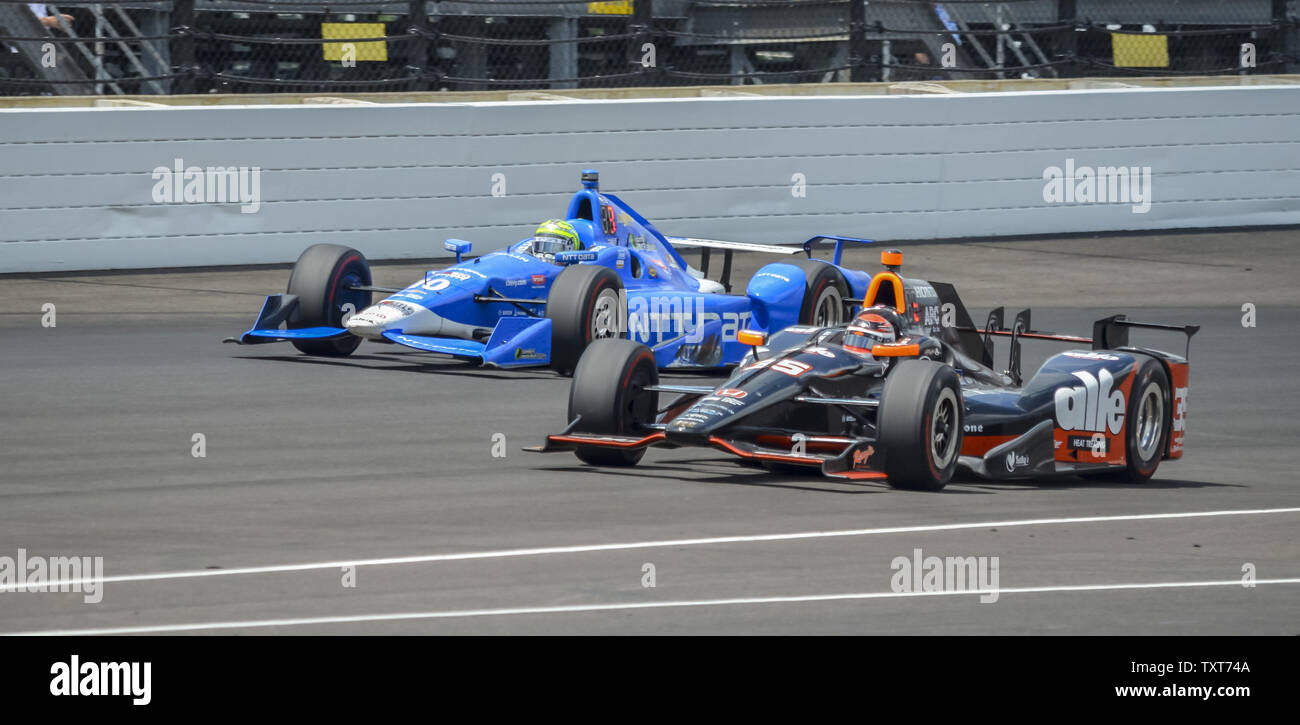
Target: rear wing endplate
pixel 1111 332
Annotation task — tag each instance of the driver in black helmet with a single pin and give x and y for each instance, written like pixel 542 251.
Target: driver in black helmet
pixel 879 325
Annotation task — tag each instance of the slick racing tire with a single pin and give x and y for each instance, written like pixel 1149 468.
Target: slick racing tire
pixel 609 393
pixel 583 306
pixel 321 279
pixel 1149 415
pixel 824 294
pixel 919 425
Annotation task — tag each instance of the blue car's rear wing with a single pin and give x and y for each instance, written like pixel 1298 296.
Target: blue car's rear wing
pixel 839 245
pixel 706 247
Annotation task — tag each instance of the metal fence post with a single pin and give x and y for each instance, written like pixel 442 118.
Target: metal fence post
pixel 1284 35
pixel 1067 12
pixel 181 48
pixel 417 54
pixel 641 25
pixel 858 51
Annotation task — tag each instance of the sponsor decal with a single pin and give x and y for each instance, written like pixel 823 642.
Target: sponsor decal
pixel 932 319
pixel 1092 406
pixel 539 280
pixel 923 290
pixel 818 350
pixel 1095 443
pixel 733 402
pixel 653 272
pixel 1091 355
pixel 801 328
pixel 781 277
pixel 731 393
pixel 528 353
pixel 862 457
pixel 1179 423
pixel 401 307
pixel 455 274
pixel 971 428
pixel 516 282
pixel 1180 410
pixel 658 318
pixel 1015 460
pixel 711 410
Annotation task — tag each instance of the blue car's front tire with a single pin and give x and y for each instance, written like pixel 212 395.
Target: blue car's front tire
pixel 584 305
pixel 322 280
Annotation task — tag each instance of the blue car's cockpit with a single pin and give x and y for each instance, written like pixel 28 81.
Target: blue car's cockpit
pixel 555 236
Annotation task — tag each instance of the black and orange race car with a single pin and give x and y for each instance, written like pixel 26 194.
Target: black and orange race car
pixel 905 393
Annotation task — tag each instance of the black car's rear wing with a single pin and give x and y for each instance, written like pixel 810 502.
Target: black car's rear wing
pixel 1112 332
pixel 1108 333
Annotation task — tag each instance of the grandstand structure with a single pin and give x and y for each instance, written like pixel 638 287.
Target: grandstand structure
pixel 160 47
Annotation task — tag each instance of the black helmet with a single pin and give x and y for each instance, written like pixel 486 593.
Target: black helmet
pixel 873 326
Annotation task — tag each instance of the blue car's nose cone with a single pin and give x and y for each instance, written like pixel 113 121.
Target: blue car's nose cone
pixel 372 322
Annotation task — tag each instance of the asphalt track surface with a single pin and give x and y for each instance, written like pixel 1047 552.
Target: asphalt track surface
pixel 386 459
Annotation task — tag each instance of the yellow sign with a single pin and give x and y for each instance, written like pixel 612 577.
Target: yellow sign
pixel 353 51
pixel 1140 51
pixel 610 7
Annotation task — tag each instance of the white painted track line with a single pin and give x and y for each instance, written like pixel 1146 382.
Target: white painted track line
pixel 660 544
pixel 582 608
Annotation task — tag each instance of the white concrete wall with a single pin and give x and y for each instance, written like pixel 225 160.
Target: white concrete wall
pixel 76 190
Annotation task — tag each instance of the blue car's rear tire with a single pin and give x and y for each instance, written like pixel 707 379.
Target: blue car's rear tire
pixel 583 305
pixel 824 293
pixel 609 394
pixel 321 279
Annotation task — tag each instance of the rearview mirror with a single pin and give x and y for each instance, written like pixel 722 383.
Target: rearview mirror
pixel 459 246
pixel 752 338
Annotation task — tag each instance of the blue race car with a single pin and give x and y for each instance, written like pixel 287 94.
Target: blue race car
pixel 604 271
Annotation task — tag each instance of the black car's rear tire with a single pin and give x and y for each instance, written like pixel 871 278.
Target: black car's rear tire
pixel 609 393
pixel 583 305
pixel 1147 421
pixel 321 279
pixel 824 293
pixel 919 425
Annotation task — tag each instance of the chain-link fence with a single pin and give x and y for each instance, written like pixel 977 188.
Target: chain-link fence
pixel 247 46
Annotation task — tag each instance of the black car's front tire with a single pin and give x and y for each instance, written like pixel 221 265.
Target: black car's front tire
pixel 919 424
pixel 609 394
pixel 322 280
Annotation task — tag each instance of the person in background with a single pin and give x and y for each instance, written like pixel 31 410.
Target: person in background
pixel 48 20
